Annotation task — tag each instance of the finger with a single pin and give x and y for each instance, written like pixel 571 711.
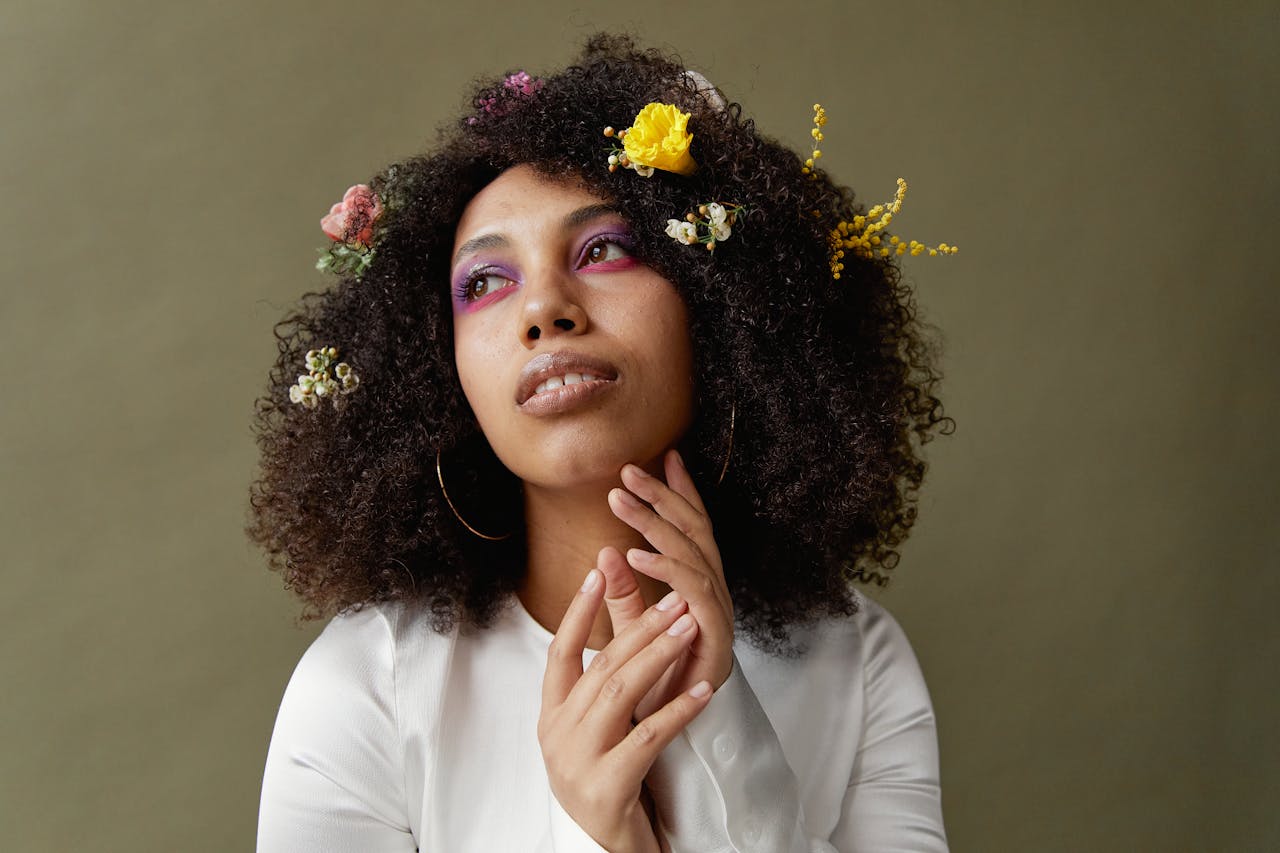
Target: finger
pixel 621 592
pixel 689 518
pixel 679 479
pixel 707 596
pixel 635 637
pixel 610 714
pixel 564 656
pixel 636 752
pixel 660 533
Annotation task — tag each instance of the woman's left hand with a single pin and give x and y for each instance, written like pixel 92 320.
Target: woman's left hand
pixel 687 560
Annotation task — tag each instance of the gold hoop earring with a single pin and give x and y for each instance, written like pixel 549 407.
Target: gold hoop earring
pixel 456 514
pixel 724 469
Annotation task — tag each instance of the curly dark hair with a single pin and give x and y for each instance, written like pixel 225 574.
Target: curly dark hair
pixel 829 384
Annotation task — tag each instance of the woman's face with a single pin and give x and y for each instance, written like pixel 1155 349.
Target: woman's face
pixel 574 355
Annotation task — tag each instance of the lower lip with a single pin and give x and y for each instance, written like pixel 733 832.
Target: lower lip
pixel 565 398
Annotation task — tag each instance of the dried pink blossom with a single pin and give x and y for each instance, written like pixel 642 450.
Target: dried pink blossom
pixel 351 220
pixel 524 84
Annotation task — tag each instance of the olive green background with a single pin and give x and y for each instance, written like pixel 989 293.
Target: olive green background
pixel 1090 588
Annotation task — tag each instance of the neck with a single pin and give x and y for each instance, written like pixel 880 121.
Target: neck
pixel 566 528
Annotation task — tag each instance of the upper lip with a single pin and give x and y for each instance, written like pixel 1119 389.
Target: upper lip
pixel 548 364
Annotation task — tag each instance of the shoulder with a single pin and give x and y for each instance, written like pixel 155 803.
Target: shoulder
pixel 870 635
pixel 357 645
pixel 351 671
pixel 865 658
pixel 336 767
pixel 881 638
pixel 891 675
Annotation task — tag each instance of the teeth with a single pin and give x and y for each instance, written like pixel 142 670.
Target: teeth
pixel 568 379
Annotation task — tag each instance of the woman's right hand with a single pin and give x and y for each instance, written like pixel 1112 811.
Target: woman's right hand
pixel 596 759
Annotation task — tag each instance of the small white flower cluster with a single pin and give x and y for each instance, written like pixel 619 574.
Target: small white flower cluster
pixel 317 383
pixel 713 223
pixel 616 160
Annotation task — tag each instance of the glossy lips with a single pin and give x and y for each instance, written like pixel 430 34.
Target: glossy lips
pixel 553 368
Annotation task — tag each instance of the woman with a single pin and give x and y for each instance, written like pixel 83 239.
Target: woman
pixel 560 349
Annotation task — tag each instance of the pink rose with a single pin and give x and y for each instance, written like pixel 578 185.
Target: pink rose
pixel 351 220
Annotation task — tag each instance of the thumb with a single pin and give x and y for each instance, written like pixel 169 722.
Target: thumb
pixel 621 592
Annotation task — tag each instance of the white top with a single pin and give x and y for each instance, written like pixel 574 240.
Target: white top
pixel 392 737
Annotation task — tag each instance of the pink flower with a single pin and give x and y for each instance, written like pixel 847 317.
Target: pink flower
pixel 351 220
pixel 524 84
pixel 520 83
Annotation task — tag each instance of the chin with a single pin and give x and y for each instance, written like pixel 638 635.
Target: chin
pixel 567 462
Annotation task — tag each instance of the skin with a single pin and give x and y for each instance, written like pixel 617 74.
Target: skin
pixel 602 486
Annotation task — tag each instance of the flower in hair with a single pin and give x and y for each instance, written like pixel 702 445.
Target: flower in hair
pixel 657 139
pixel 349 224
pixel 523 84
pixel 351 220
pixel 712 224
pixel 316 384
pixel 520 83
pixel 819 120
pixel 863 236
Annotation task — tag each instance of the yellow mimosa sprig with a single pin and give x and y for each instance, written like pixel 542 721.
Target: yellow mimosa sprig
pixel 819 120
pixel 865 235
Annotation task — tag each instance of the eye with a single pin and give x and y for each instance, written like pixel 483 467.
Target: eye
pixel 602 250
pixel 481 283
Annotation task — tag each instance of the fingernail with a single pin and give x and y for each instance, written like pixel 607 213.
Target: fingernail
pixel 679 458
pixel 684 623
pixel 636 555
pixel 626 497
pixel 640 472
pixel 592 581
pixel 671 600
pixel 701 689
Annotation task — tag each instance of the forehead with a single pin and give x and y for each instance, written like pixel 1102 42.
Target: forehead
pixel 522 196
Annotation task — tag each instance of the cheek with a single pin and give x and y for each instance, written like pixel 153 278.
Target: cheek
pixel 659 332
pixel 475 374
pixel 670 324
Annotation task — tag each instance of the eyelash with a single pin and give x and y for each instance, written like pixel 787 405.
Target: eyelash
pixel 624 242
pixel 466 287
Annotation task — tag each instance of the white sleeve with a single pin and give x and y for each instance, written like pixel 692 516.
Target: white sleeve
pixel 894 800
pixel 334 778
pixel 564 834
pixel 725 784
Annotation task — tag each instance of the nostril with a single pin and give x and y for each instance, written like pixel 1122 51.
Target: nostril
pixel 534 333
pixel 566 325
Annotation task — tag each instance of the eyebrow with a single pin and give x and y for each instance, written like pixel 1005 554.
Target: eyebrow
pixel 573 220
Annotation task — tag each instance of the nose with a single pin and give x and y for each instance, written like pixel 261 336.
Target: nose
pixel 552 307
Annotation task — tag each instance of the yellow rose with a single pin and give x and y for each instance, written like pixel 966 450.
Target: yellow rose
pixel 657 138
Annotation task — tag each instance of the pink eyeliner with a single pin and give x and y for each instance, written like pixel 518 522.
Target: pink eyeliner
pixel 461 305
pixel 616 264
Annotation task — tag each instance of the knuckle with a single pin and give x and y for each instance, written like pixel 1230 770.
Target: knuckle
pixel 557 651
pixel 614 687
pixel 654 620
pixel 600 662
pixel 706 586
pixel 645 733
